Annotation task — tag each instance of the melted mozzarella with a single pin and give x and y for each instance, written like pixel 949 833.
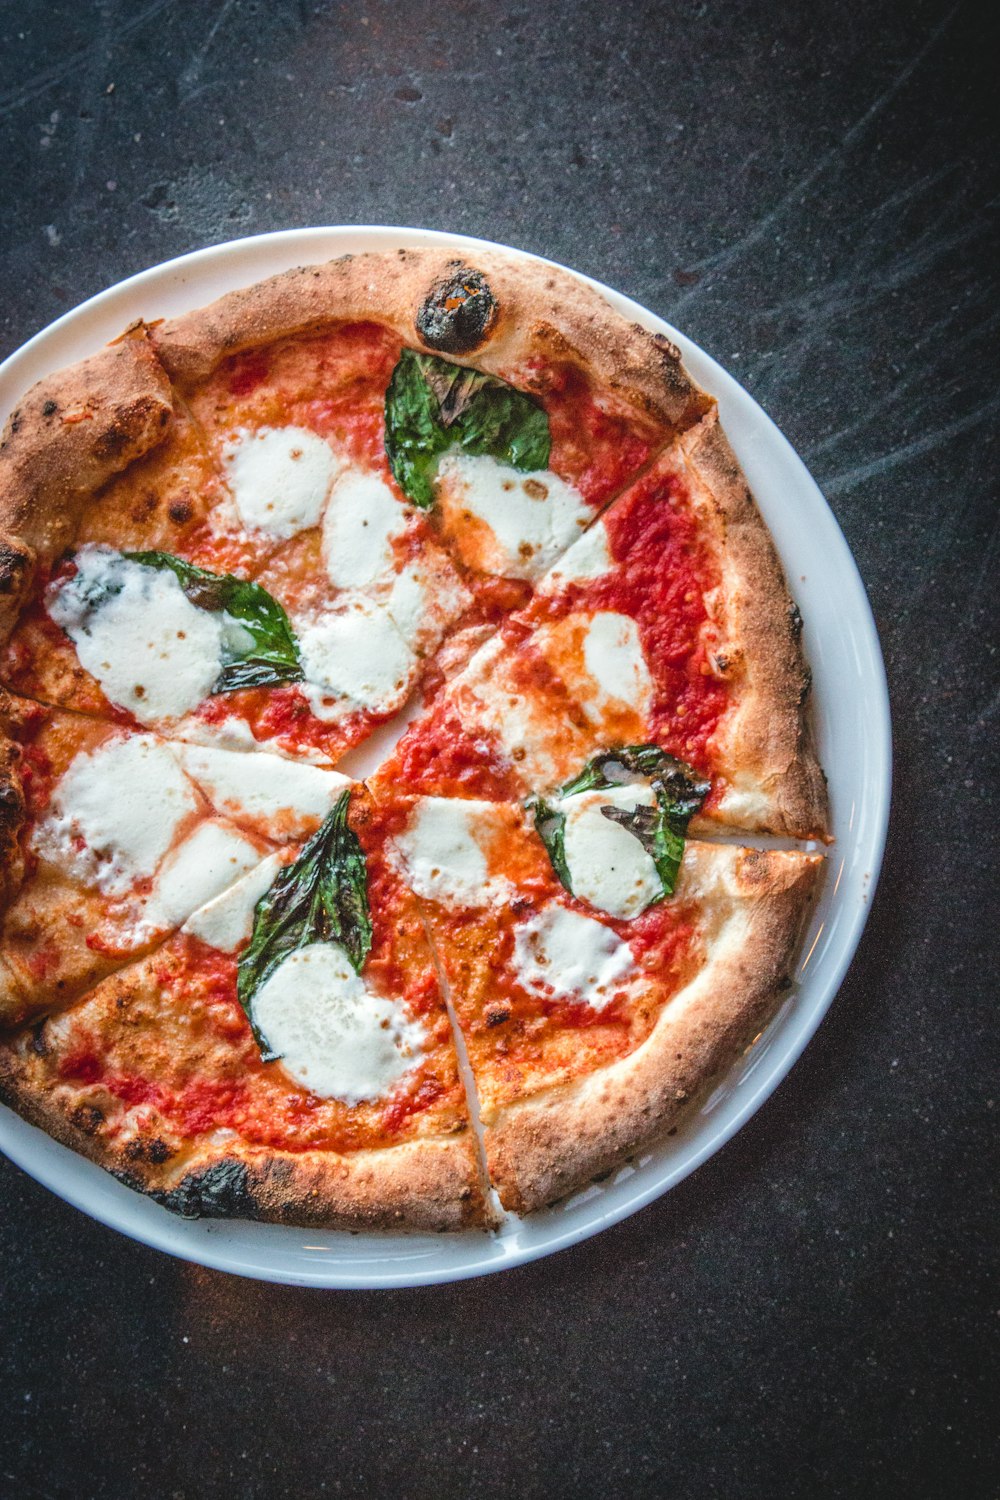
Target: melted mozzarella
pixel 213 858
pixel 280 478
pixel 355 658
pixel 362 520
pixel 608 866
pixel 226 922
pixel 525 520
pixel 588 558
pixel 124 803
pixel 332 1034
pixel 287 797
pixel 612 653
pixel 135 630
pixel 443 850
pixel 571 956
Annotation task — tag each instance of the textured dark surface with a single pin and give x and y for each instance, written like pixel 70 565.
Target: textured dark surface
pixel 806 190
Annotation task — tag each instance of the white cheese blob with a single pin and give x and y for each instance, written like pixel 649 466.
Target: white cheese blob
pixel 425 598
pixel 443 850
pixel 226 922
pixel 608 866
pixel 355 658
pixel 214 857
pixel 280 478
pixel 588 558
pixel 407 603
pixel 559 952
pixel 332 1034
pixel 363 518
pixel 287 797
pixel 613 656
pixel 125 803
pixel 528 519
pixel 134 629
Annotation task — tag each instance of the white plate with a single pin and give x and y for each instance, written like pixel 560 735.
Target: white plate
pixel 852 724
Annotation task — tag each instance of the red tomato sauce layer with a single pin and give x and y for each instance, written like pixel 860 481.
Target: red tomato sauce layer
pixel 596 448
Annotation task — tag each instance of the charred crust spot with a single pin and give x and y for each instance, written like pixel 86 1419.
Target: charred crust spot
pixel 121 434
pixel 151 1149
pixel 458 313
pixel 222 1191
pixel 50 408
pixel 181 511
pixel 38 1044
pixel 497 1013
pixel 665 346
pixel 88 1118
pixel 14 565
pixel 795 619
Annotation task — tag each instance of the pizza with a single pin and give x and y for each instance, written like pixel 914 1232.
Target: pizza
pixel 466 513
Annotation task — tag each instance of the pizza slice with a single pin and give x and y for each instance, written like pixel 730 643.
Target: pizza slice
pixel 112 837
pixel 601 987
pixel 668 626
pixel 285 1056
pixel 112 508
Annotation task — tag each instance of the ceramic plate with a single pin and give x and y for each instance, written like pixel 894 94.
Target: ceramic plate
pixel 851 709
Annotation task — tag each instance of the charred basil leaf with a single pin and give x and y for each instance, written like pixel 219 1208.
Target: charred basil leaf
pixel 432 405
pixel 687 790
pixel 272 653
pixel 661 829
pixel 321 898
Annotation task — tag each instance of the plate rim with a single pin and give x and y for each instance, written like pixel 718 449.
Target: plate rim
pixel 204 1242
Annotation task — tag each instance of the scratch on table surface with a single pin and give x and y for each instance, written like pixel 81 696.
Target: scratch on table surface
pixel 926 444
pixel 723 258
pixel 191 76
pixel 33 87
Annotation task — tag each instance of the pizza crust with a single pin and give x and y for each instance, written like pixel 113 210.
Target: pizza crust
pixel 775 781
pixel 542 1148
pixel 538 311
pixel 428 1185
pixel 72 432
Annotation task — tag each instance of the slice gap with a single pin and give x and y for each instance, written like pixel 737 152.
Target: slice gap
pixel 501 1216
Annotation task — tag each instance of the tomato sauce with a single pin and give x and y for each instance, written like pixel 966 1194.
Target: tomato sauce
pixel 595 447
pixel 438 757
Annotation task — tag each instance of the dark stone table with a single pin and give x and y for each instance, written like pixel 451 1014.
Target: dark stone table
pixel 806 190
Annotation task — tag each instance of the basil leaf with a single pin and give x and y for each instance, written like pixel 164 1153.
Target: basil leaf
pixel 661 830
pixel 273 652
pixel 659 833
pixel 322 897
pixel 550 825
pixel 614 767
pixel 432 404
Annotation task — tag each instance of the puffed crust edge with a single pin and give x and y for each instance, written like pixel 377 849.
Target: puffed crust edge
pixel 545 1147
pixel 421 1185
pixel 767 738
pixel 536 310
pixel 68 436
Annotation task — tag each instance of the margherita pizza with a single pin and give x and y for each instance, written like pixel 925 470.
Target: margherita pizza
pixel 396 488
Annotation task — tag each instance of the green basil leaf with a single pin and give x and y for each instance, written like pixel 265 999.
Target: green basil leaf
pixel 272 653
pixel 432 404
pixel 550 825
pixel 659 833
pixel 321 898
pixel 679 793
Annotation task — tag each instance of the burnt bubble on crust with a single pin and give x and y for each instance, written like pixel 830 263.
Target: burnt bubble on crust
pixel 222 1191
pixel 458 312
